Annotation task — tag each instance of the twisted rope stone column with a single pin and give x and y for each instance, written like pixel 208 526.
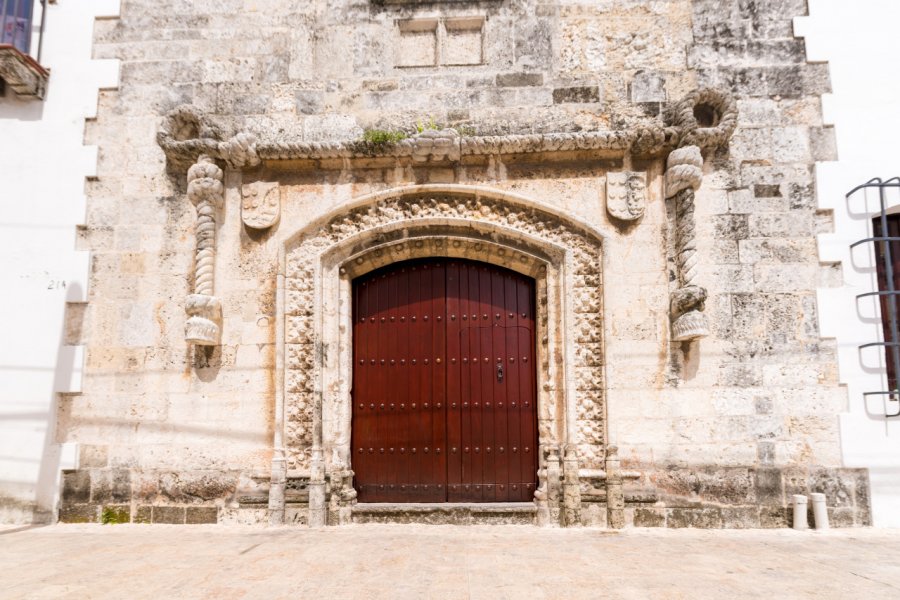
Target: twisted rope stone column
pixel 683 177
pixel 206 192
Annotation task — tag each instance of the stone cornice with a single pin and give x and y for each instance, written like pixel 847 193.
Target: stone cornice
pixel 186 134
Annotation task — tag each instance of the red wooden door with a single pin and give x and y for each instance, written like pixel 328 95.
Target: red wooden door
pixel 444 384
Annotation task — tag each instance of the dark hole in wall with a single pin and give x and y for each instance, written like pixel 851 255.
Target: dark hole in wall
pixel 706 115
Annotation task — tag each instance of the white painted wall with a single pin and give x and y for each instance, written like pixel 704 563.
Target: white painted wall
pixel 43 165
pixel 860 42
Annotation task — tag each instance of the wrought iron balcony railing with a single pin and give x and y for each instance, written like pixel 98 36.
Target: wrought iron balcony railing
pixel 20 64
pixel 886 239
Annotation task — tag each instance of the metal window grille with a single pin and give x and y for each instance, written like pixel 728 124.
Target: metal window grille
pixel 886 239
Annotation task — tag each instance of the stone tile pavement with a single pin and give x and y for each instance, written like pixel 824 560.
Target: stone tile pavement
pixel 443 562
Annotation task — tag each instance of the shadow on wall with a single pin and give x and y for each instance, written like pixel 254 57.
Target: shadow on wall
pixel 15 109
pixel 34 501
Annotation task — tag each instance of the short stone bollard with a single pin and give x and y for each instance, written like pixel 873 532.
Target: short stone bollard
pixel 820 511
pixel 800 521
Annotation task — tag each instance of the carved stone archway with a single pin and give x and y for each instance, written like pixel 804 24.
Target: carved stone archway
pixel 319 263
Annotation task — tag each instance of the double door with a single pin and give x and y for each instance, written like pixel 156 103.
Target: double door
pixel 444 389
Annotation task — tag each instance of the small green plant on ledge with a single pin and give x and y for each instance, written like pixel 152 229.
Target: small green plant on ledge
pixel 114 515
pixel 383 136
pixel 426 125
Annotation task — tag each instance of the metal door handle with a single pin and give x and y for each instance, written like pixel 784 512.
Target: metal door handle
pixel 499 372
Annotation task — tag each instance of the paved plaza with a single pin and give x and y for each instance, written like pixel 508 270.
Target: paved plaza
pixel 445 562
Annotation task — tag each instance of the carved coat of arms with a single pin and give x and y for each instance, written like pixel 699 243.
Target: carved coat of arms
pixel 626 195
pixel 261 204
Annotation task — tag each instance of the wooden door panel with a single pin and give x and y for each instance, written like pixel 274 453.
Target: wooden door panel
pixel 443 384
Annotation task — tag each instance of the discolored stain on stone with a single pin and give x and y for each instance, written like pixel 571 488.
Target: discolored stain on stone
pixel 110 486
pixel 775 517
pixel 520 79
pixel 740 517
pixel 169 514
pixel 144 514
pixel 79 513
pixel 578 95
pixel 695 517
pixel 767 190
pixel 201 514
pixel 837 487
pixel 769 486
pixel 76 487
pixel 649 517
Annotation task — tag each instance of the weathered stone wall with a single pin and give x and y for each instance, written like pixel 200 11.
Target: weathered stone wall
pixel 716 432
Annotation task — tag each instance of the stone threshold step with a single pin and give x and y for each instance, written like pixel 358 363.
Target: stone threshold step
pixel 494 507
pixel 507 513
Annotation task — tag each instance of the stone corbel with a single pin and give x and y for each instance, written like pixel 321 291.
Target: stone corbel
pixel 704 119
pixel 206 193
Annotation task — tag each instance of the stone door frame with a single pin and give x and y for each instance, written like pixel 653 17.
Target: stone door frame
pixel 318 265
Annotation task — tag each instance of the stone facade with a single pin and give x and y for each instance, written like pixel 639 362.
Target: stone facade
pixel 649 164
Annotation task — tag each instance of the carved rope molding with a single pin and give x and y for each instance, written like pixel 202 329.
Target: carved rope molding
pixel 206 193
pixel 683 177
pixel 684 174
pixel 186 133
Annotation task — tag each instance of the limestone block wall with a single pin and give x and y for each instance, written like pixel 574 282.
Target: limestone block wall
pixel 44 162
pixel 717 432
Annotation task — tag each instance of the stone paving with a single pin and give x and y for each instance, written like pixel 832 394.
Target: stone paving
pixel 445 562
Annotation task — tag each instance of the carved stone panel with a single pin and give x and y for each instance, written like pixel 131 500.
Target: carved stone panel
pixel 626 195
pixel 261 205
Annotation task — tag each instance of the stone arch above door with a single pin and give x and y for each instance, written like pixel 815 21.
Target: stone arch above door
pixel 563 256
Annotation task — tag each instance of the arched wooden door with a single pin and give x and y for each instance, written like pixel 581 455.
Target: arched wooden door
pixel 444 383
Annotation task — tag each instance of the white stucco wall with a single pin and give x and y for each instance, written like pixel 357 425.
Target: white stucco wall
pixel 44 163
pixel 859 41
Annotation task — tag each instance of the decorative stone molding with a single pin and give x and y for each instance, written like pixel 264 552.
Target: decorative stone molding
pixel 186 133
pixel 261 204
pixel 585 298
pixel 499 228
pixel 431 145
pixel 683 178
pixel 626 195
pixel 206 193
pixel 22 73
pixel 705 118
